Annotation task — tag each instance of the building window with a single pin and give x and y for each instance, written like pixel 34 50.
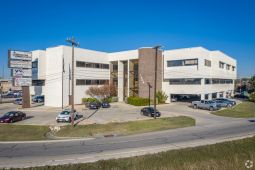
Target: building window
pixel 38 82
pixel 222 81
pixel 208 81
pixel 228 67
pixel 80 82
pixel 115 67
pixel 184 81
pixel 208 63
pixel 92 65
pixel 35 64
pixel 187 62
pixel 221 64
pixel 233 68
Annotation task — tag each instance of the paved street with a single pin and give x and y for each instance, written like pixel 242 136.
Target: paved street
pixel 210 129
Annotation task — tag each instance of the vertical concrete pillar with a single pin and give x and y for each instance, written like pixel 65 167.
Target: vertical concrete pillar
pixel 210 96
pixel 224 94
pixel 128 74
pixel 120 80
pixel 202 96
pixel 218 95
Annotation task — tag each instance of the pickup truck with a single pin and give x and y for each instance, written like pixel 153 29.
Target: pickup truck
pixel 206 104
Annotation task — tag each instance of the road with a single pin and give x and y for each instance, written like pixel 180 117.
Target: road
pixel 210 129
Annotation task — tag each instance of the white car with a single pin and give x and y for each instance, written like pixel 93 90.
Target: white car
pixel 65 116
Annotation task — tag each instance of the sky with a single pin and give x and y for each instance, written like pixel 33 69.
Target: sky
pixel 116 25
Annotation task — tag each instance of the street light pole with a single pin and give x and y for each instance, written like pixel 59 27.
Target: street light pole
pixel 74 44
pixel 155 78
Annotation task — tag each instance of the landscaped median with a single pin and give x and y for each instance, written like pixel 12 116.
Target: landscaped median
pixel 126 128
pixel 27 132
pixel 242 110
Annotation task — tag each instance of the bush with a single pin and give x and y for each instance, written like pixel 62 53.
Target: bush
pixel 162 97
pixel 252 97
pixel 138 101
pixel 108 99
pixel 88 100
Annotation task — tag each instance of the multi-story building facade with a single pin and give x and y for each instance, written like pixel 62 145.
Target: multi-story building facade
pixel 190 71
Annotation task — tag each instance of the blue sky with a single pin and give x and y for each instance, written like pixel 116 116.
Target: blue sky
pixel 115 25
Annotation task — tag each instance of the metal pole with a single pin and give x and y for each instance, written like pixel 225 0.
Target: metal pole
pixel 155 83
pixel 63 70
pixel 72 41
pixel 155 79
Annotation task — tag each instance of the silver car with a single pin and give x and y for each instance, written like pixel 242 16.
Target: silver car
pixel 206 104
pixel 65 116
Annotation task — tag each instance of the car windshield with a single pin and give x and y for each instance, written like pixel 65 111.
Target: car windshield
pixel 65 113
pixel 9 114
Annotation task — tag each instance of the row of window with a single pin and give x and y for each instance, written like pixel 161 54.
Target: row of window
pixel 190 62
pixel 218 81
pixel 187 62
pixel 91 65
pixel 228 66
pixel 184 81
pixel 80 82
pixel 190 81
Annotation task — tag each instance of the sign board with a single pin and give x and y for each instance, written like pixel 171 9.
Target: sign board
pixel 20 64
pixel 18 72
pixel 18 81
pixel 20 55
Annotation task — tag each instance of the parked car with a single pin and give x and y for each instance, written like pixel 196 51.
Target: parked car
pixel 38 99
pixel 65 116
pixel 8 95
pixel 94 105
pixel 17 94
pixel 223 102
pixel 105 105
pixel 18 101
pixel 149 111
pixel 12 116
pixel 241 96
pixel 206 104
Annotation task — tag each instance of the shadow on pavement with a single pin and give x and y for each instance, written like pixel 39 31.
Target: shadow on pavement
pixel 83 118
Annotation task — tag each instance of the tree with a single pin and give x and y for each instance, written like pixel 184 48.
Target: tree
pixel 252 80
pixel 107 90
pixel 162 97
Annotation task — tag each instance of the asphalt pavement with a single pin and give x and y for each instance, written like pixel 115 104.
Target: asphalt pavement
pixel 211 129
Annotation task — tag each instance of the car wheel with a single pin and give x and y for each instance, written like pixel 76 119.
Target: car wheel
pixel 11 121
pixel 195 106
pixel 229 105
pixel 211 108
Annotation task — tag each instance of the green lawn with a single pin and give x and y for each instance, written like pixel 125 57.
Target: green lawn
pixel 243 110
pixel 126 128
pixel 22 132
pixel 222 156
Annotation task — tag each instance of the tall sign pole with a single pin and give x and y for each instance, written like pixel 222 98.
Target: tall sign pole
pixel 155 78
pixel 21 64
pixel 74 44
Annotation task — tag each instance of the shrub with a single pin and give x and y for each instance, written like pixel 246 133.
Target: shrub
pixel 138 101
pixel 108 99
pixel 162 97
pixel 88 100
pixel 252 97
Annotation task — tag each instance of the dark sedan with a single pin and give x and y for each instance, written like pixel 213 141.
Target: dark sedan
pixel 94 105
pixel 149 111
pixel 105 105
pixel 12 116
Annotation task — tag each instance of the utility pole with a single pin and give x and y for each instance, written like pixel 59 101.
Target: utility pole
pixel 63 71
pixel 155 78
pixel 74 44
pixel 149 93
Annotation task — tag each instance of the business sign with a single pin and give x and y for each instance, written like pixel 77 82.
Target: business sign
pixel 20 64
pixel 17 72
pixel 19 81
pixel 20 55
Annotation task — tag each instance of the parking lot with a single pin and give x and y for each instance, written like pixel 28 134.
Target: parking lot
pixel 118 112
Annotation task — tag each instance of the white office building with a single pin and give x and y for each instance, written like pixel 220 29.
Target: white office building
pixel 181 72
